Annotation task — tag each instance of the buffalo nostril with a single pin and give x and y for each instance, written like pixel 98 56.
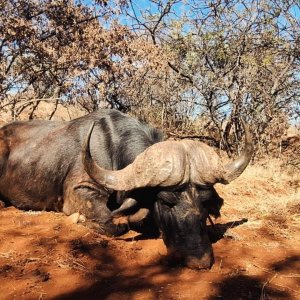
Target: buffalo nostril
pixel 195 262
pixel 205 262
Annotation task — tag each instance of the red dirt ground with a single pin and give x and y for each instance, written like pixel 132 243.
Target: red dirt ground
pixel 44 257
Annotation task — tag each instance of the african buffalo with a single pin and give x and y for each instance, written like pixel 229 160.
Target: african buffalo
pixel 120 174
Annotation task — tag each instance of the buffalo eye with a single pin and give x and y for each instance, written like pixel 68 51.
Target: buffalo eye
pixel 168 198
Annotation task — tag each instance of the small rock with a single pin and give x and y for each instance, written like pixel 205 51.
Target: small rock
pixel 81 219
pixel 73 219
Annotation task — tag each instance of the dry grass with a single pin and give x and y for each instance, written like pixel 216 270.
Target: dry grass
pixel 44 111
pixel 267 196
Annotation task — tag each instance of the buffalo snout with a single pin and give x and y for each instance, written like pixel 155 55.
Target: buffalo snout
pixel 199 261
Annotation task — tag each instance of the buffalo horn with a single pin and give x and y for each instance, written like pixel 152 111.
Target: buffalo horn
pixel 126 205
pixel 235 168
pixel 169 163
pixel 148 169
pixel 106 178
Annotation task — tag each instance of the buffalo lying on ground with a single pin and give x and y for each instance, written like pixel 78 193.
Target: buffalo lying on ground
pixel 119 174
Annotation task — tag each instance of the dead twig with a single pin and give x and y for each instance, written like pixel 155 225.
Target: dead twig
pixel 263 295
pixel 292 275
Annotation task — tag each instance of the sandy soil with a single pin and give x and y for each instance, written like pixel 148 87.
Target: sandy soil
pixel 43 256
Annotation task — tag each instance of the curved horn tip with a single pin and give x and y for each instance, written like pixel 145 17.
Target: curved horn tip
pixel 107 178
pixel 86 153
pixel 126 205
pixel 236 168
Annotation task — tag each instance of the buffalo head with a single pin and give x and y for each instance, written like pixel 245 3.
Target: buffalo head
pixel 183 174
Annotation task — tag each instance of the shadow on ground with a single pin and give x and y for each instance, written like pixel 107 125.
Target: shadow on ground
pixel 51 260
